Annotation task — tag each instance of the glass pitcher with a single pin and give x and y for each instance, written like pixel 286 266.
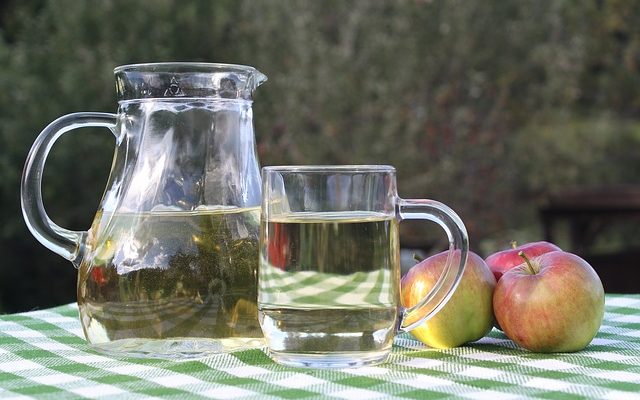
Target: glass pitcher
pixel 169 266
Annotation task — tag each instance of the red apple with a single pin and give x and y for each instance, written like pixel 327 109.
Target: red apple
pixel 467 316
pixel 551 303
pixel 504 260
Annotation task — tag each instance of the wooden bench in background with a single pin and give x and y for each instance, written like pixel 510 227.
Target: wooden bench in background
pixel 589 212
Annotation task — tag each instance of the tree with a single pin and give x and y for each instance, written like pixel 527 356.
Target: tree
pixel 463 98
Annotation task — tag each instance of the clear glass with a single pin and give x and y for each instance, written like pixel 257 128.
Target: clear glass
pixel 329 273
pixel 169 266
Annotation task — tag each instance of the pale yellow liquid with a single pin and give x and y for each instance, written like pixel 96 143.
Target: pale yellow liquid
pixel 171 284
pixel 329 288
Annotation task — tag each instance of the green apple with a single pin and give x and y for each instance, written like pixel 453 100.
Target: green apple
pixel 467 316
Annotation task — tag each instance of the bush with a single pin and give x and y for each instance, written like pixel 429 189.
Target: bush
pixel 462 98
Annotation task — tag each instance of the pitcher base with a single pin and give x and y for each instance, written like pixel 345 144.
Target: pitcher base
pixel 175 348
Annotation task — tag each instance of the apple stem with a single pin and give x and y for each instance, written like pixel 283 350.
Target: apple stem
pixel 417 257
pixel 528 262
pixel 514 244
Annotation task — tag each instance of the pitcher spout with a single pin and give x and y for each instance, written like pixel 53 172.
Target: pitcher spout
pixel 256 78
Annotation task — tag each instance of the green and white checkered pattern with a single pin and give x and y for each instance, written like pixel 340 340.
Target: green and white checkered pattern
pixel 43 355
pixel 312 289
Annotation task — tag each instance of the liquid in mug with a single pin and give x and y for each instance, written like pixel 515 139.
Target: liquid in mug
pixel 171 284
pixel 328 284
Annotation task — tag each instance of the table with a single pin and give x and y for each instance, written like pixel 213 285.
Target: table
pixel 588 210
pixel 43 355
pixel 591 213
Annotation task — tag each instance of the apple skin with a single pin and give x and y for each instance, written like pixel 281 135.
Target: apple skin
pixel 504 260
pixel 553 305
pixel 467 316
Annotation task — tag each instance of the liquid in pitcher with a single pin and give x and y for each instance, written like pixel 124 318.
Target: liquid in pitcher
pixel 171 284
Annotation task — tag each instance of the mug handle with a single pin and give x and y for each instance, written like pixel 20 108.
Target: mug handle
pixel 64 242
pixel 442 291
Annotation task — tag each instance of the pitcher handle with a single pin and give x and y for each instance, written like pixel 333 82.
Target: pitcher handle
pixel 442 291
pixel 64 242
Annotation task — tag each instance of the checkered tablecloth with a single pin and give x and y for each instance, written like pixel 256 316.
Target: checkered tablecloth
pixel 313 289
pixel 43 355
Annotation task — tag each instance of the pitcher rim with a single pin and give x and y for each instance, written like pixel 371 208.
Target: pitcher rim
pixel 183 79
pixel 195 64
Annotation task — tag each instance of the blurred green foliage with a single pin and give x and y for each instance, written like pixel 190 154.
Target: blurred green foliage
pixel 486 106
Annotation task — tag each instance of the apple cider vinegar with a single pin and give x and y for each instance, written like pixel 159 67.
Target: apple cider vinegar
pixel 152 280
pixel 328 283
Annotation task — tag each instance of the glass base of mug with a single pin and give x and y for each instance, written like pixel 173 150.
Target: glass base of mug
pixel 175 348
pixel 332 360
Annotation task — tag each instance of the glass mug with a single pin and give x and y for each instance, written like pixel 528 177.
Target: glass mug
pixel 329 270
